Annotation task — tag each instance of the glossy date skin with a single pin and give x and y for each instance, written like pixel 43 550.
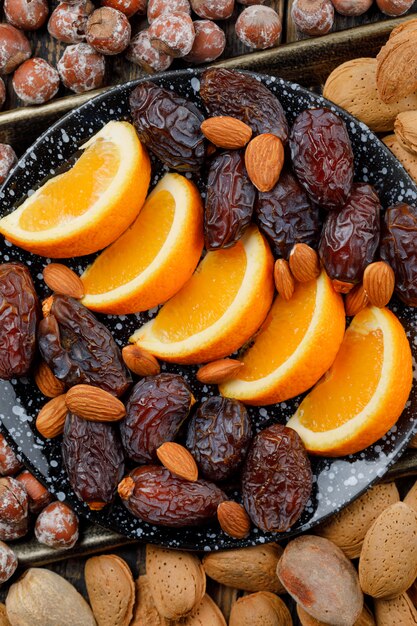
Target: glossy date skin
pixel 159 497
pixel 169 125
pixel 287 216
pixel 350 237
pixel 155 411
pixel 276 479
pixel 228 92
pixel 219 435
pixel 322 157
pixel 80 349
pixel 19 317
pixel 399 249
pixel 229 202
pixel 93 458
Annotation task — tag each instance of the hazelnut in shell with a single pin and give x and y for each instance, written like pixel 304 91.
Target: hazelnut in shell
pixel 142 53
pixel 209 42
pixel 108 31
pixel 39 496
pixel 128 7
pixel 26 14
pixel 173 33
pixel 313 17
pixel 213 9
pixel 14 48
pixel 8 158
pixel 81 68
pixel 9 463
pixel 57 526
pixel 158 7
pixel 68 22
pixel 259 27
pixel 35 81
pixel 8 563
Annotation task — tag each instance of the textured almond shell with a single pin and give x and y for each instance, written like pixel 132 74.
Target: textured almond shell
pixel 398 611
pixel 111 590
pixel 260 609
pixel 405 128
pixel 352 86
pixel 409 25
pixel 388 562
pixel 250 569
pixel 347 529
pixel 365 618
pixel 396 73
pixel 145 613
pixel 177 581
pixel 43 598
pixel 406 158
pixel 206 613
pixel 411 497
pixel 3 616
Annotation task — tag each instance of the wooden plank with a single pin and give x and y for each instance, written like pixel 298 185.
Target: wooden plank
pixel 341 22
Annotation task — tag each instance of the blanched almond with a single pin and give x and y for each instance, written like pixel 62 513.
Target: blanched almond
pixel 111 590
pixel 226 132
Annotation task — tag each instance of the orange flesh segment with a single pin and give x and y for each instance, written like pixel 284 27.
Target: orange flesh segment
pixel 282 332
pixel 349 384
pixel 206 296
pixel 71 194
pixel 135 250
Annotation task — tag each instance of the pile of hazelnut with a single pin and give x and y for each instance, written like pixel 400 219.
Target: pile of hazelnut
pixel 24 501
pixel 316 17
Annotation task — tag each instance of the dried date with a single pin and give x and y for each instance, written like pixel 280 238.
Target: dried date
pixel 155 411
pixel 219 436
pixel 228 92
pixel 93 459
pixel 80 349
pixel 230 200
pixel 169 125
pixel 276 479
pixel 322 157
pixel 350 237
pixel 154 495
pixel 19 316
pixel 399 249
pixel 287 216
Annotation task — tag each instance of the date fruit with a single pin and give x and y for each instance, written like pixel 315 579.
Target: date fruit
pixel 93 458
pixel 154 495
pixel 322 157
pixel 19 316
pixel 219 436
pixel 155 411
pixel 229 202
pixel 276 479
pixel 350 237
pixel 169 125
pixel 399 249
pixel 287 216
pixel 79 349
pixel 228 92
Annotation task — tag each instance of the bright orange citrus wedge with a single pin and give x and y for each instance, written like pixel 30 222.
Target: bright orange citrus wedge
pixel 364 392
pixel 153 259
pixel 295 346
pixel 86 208
pixel 218 309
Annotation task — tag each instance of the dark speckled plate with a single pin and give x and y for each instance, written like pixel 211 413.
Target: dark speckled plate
pixel 336 481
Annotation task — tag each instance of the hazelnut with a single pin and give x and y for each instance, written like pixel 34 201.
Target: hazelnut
pixel 213 9
pixel 209 42
pixel 249 3
pixel 9 464
pixel 26 14
pixel 2 93
pixel 158 7
pixel 14 48
pixel 35 81
pixel 8 562
pixel 68 22
pixel 259 27
pixel 142 52
pixel 173 33
pixel 108 31
pixel 128 7
pixel 394 7
pixel 39 497
pixel 13 509
pixel 352 8
pixel 313 17
pixel 57 526
pixel 81 68
pixel 8 158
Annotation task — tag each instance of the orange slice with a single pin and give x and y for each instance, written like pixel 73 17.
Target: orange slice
pixel 153 259
pixel 295 346
pixel 364 392
pixel 86 208
pixel 218 309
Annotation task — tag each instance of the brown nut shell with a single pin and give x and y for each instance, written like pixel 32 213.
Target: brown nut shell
pixel 111 590
pixel 260 609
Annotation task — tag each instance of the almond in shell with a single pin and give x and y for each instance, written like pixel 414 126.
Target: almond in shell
pixel 399 610
pixel 111 590
pixel 51 418
pixel 226 132
pixel 218 371
pixel 365 618
pixel 383 572
pixel 61 279
pixel 178 460
pixel 411 497
pixel 405 129
pixel 264 158
pixel 3 616
pixel 94 404
pixel 406 158
pixel 145 613
pixel 206 613
pixel 260 609
pixel 177 581
pixel 396 73
pixel 249 569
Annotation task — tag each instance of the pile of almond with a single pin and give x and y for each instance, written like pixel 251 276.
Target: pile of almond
pixel 382 92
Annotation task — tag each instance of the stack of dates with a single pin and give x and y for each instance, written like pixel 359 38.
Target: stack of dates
pixel 114 431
